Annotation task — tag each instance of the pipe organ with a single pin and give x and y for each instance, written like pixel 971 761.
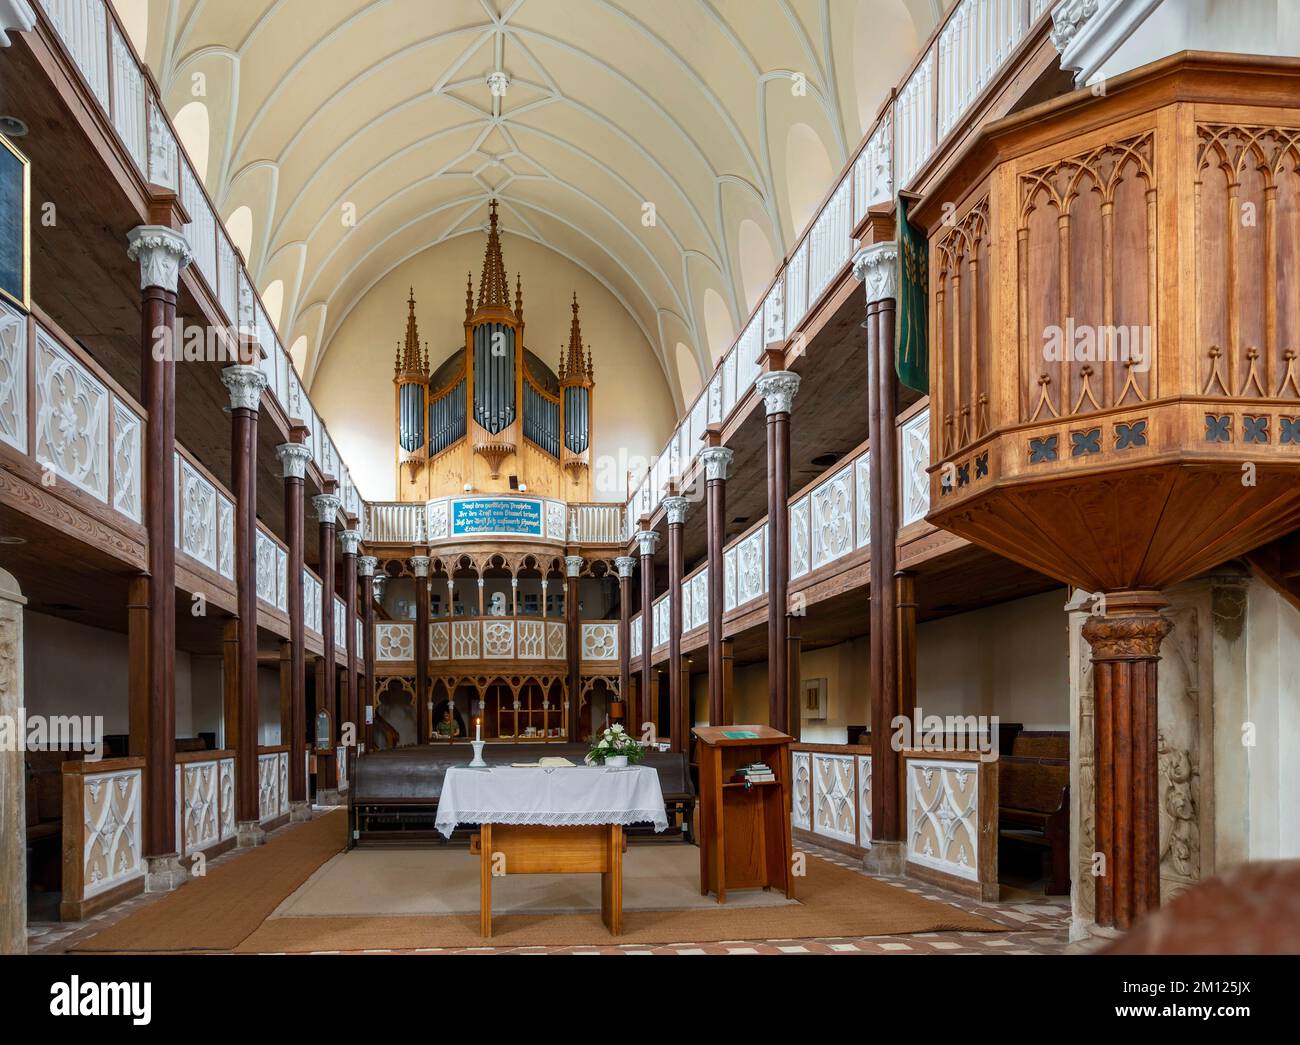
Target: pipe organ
pixel 493 417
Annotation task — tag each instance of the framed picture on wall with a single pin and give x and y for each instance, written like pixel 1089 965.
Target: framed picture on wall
pixel 814 699
pixel 15 201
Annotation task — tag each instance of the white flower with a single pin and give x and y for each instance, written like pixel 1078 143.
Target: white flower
pixel 618 728
pixel 603 744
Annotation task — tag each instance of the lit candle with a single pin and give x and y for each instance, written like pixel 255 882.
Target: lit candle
pixel 478 729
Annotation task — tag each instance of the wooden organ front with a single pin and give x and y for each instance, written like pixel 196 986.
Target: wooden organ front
pixel 495 418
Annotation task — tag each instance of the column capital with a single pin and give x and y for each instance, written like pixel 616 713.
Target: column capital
pixel 16 16
pixel 675 508
pixel 350 541
pixel 778 389
pixel 876 268
pixel 573 565
pixel 648 539
pixel 293 459
pixel 420 566
pixel 327 507
pixel 161 252
pixel 625 564
pixel 245 384
pixel 717 462
pixel 366 565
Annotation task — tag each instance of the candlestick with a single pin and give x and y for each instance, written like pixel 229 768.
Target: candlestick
pixel 478 729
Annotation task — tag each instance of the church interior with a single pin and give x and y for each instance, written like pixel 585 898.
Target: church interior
pixel 611 477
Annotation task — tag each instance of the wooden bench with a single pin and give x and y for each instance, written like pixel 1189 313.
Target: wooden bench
pixel 1034 810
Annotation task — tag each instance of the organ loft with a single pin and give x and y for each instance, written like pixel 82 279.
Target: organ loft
pixel 493 418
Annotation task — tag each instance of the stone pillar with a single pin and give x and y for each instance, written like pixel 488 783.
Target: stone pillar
pixel 245 384
pixel 13 778
pixel 876 266
pixel 423 712
pixel 1125 640
pixel 161 252
pixel 349 543
pixel 625 565
pixel 646 540
pixel 778 389
pixel 326 512
pixel 366 569
pixel 293 464
pixel 573 627
pixel 717 465
pixel 675 509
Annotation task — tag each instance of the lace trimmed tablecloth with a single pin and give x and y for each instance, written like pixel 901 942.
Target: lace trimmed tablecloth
pixel 577 796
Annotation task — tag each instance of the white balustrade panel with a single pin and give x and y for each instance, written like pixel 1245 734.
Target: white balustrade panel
pixel 311 597
pixel 796 288
pixel 751 567
pixel 82 25
pixel 834 800
pixel 700 599
pixel 265 568
pixel 439 641
pixel 862 473
pixel 128 102
pixel 662 612
pixel 914 451
pixel 282 579
pixel 800 538
pixel 164 153
pixel 943 816
pixel 71 419
pixel 198 516
pixel 340 623
pixel 801 790
pixel 530 640
pixel 395 640
pixel 272 785
pixel 199 799
pixel 594 523
pixel 557 642
pixel 832 518
pixel 114 813
pixel 226 798
pixel 634 627
pixel 499 639
pixel 978 38
pixel 600 641
pixel 830 241
pixel 13 377
pixel 864 800
pixel 128 434
pixel 873 175
pixel 201 232
pixel 914 121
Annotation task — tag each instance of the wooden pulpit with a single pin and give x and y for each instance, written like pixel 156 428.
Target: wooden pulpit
pixel 744 828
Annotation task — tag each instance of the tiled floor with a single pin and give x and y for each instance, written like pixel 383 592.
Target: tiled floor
pixel 1042 928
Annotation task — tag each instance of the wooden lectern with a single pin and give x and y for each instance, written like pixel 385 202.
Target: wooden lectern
pixel 744 830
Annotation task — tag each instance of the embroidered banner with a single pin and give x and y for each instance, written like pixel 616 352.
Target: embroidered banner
pixel 912 349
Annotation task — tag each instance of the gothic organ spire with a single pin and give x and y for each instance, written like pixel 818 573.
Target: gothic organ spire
pixel 493 287
pixel 410 360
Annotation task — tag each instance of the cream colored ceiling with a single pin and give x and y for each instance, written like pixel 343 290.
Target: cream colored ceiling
pixel 321 109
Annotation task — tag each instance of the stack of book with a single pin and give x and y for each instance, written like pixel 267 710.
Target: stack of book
pixel 754 773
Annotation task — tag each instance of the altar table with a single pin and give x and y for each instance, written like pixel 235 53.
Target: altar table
pixel 551 821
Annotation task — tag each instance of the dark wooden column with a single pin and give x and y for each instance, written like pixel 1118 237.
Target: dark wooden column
pixel 366 569
pixel 876 266
pixel 646 540
pixel 161 252
pixel 573 641
pixel 625 564
pixel 905 599
pixel 327 509
pixel 675 509
pixel 717 465
pixel 420 567
pixel 794 676
pixel 728 682
pixel 245 384
pixel 1125 643
pixel 349 542
pixel 778 388
pixel 293 464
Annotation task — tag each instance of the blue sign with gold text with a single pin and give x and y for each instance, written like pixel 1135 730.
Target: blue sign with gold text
pixel 484 515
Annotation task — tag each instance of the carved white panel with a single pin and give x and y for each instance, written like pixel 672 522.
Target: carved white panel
pixel 198 516
pixel 340 623
pixel 311 590
pixel 226 798
pixel 498 639
pixel 464 640
pixel 914 449
pixel 395 640
pixel 635 630
pixel 751 567
pixel 438 520
pixel 200 815
pixel 662 619
pixel 531 640
pixel 729 578
pixel 83 27
pixel 801 790
pixel 13 377
pixel 225 536
pixel 127 431
pixel 555 519
pixel 282 769
pixel 942 816
pixel 834 797
pixel 268 786
pixel 265 568
pixel 282 580
pixel 439 641
pixel 128 101
pixel 556 641
pixel 864 800
pixel 832 518
pixel 800 555
pixel 700 599
pixel 111 850
pixel 600 641
pixel 862 468
pixel 71 419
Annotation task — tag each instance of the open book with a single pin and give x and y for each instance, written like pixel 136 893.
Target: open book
pixel 551 762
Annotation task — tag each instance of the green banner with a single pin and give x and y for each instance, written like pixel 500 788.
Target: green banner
pixel 912 348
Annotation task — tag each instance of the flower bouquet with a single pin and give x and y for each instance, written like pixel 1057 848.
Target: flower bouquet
pixel 614 747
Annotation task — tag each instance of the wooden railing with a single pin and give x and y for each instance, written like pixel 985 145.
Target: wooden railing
pixel 497 639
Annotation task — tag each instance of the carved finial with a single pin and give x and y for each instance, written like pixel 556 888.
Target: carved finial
pixel 410 360
pixel 493 287
pixel 519 297
pixel 574 364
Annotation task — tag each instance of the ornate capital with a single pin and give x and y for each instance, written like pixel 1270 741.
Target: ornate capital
pixel 15 16
pixel 161 252
pixel 245 384
pixel 675 508
pixel 1130 627
pixel 876 268
pixel 1086 33
pixel 626 564
pixel 717 462
pixel 293 459
pixel 778 390
pixel 366 565
pixel 648 539
pixel 572 565
pixel 350 541
pixel 420 566
pixel 327 506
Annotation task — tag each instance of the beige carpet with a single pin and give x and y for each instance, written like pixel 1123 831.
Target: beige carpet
pixel 433 882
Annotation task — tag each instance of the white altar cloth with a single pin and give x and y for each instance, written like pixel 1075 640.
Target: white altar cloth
pixel 561 797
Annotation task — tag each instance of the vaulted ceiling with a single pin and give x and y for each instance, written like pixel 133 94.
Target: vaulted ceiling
pixel 670 147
